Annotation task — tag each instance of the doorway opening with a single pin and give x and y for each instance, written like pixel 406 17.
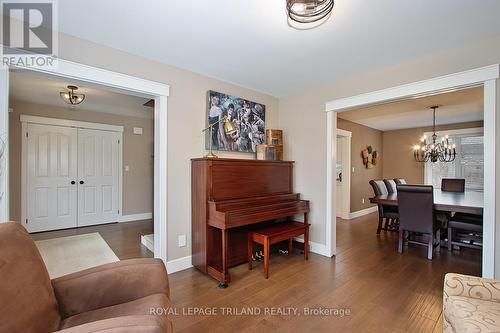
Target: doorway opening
pixel 485 77
pixel 88 76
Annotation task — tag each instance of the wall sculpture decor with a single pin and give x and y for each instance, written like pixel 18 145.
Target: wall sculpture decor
pixel 370 157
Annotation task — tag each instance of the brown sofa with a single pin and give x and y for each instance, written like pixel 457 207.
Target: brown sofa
pixel 116 297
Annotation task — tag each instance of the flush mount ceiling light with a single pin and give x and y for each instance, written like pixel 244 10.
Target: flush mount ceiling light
pixel 71 97
pixel 308 11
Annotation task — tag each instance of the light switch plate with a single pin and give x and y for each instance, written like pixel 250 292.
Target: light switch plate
pixel 182 240
pixel 127 168
pixel 138 130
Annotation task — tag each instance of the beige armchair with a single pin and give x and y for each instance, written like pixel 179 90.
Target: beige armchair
pixel 470 304
pixel 115 297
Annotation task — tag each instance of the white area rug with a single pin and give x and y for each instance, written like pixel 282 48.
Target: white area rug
pixel 74 253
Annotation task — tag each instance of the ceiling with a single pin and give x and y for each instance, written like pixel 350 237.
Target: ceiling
pixel 35 88
pixel 455 107
pixel 250 43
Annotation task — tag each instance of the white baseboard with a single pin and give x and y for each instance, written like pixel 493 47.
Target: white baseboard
pixel 173 266
pixel 136 217
pixel 180 264
pixel 148 241
pixel 362 212
pixel 315 247
pixel 344 215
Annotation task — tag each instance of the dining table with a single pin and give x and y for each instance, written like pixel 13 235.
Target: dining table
pixel 471 202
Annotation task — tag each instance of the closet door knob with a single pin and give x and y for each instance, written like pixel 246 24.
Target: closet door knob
pixel 82 182
pixel 73 182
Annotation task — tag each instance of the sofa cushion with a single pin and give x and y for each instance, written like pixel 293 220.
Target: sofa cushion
pixel 466 314
pixel 139 306
pixel 128 324
pixel 26 296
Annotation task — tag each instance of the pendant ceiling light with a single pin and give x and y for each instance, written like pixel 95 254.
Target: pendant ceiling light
pixel 308 11
pixel 71 97
pixel 434 151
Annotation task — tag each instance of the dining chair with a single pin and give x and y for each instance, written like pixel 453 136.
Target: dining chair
pixel 465 230
pixel 400 181
pixel 466 222
pixel 391 185
pixel 416 215
pixel 385 212
pixel 453 185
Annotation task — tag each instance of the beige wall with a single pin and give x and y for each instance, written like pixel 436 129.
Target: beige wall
pixel 303 116
pixel 137 153
pixel 362 137
pixel 186 118
pixel 398 151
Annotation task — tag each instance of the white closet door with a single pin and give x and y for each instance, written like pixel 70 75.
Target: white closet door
pixel 51 169
pixel 98 177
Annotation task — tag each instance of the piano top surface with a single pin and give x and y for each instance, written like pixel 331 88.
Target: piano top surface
pixel 238 160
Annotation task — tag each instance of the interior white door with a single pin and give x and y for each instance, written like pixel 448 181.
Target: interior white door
pixel 51 178
pixel 98 177
pixel 339 174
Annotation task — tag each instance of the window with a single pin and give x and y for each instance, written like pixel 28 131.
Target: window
pixel 468 164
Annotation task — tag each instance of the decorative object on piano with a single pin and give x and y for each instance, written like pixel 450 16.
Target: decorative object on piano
pixel 274 137
pixel 370 157
pixel 435 151
pixel 273 149
pixel 267 152
pixel 228 129
pixel 247 117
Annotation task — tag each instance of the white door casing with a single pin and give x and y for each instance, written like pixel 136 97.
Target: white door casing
pixel 98 177
pixel 121 82
pixel 51 174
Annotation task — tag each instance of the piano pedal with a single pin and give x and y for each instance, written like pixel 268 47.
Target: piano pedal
pixel 283 252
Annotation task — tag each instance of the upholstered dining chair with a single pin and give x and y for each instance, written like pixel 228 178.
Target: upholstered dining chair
pixel 400 181
pixel 453 185
pixel 464 229
pixel 416 215
pixel 389 214
pixel 391 185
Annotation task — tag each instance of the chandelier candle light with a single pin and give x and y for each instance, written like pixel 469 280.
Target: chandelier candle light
pixel 435 151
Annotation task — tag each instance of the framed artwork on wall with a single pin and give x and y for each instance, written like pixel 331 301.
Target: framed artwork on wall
pixel 249 119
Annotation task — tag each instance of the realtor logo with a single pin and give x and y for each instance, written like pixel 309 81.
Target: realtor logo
pixel 29 33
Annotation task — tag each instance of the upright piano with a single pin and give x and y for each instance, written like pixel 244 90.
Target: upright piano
pixel 228 198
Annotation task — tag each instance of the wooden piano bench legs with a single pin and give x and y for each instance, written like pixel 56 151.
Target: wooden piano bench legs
pixel 276 233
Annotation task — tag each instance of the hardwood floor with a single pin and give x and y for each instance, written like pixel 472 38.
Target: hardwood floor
pixel 385 291
pixel 123 238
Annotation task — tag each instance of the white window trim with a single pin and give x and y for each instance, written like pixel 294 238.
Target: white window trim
pixel 462 131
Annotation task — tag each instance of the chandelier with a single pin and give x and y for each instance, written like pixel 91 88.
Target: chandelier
pixel 71 97
pixel 308 11
pixel 435 151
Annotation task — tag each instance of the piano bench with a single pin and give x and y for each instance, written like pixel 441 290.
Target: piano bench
pixel 276 233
